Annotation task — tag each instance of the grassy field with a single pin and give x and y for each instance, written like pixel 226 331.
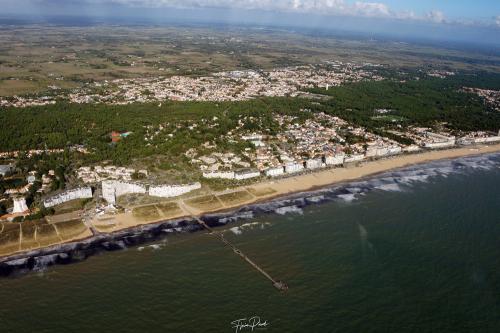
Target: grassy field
pixel 32 59
pixel 9 238
pixel 207 202
pixel 69 230
pixel 235 198
pixel 28 240
pixel 70 206
pixel 30 235
pixel 47 235
pixel 261 191
pixel 169 209
pixel 146 213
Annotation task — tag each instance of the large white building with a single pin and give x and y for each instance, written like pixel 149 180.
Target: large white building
pixel 294 167
pixel 112 189
pixel 411 149
pixel 395 150
pixel 19 205
pixel 314 163
pixel 275 172
pixel 438 141
pixel 381 150
pixel 219 174
pixel 78 193
pixel 354 158
pixel 480 139
pixel 246 174
pixel 168 191
pixel 332 160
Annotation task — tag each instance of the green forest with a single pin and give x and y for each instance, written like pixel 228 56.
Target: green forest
pixel 61 126
pixel 423 102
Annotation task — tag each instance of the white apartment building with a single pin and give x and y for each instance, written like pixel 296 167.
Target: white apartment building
pixel 275 172
pixel 294 167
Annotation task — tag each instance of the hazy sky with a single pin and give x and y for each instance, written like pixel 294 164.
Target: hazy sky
pixel 473 20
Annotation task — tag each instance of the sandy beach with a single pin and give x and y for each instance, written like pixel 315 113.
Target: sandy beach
pixel 273 188
pixel 321 178
pixel 238 197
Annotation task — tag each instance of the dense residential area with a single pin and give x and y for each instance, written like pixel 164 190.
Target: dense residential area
pixel 275 124
pixel 223 86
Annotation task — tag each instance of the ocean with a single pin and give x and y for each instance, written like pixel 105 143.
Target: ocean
pixel 414 250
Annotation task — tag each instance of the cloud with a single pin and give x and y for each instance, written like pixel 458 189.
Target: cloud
pixel 372 9
pixel 359 8
pixel 436 16
pixel 497 20
pixel 325 7
pixel 338 7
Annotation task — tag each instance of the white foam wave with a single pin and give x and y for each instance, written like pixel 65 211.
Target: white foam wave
pixel 347 197
pixel 236 230
pixel 414 179
pixel 289 209
pixel 316 199
pixel 236 217
pixel 153 247
pixel 394 187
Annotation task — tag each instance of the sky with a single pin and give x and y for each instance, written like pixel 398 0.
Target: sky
pixel 471 20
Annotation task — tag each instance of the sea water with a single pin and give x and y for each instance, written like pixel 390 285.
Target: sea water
pixel 416 250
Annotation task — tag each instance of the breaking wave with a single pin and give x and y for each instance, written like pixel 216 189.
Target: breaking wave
pixel 236 230
pixel 347 197
pixel 236 217
pixel 239 230
pixel 397 180
pixel 153 247
pixel 289 210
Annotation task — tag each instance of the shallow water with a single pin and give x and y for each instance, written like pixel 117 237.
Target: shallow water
pixel 412 250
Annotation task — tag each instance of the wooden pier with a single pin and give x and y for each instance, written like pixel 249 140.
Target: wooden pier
pixel 280 285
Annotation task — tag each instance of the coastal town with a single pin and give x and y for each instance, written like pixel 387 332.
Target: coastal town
pixel 320 142
pixel 281 165
pixel 490 97
pixel 224 170
pixel 222 86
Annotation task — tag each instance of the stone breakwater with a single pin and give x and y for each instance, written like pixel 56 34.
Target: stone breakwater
pixel 399 180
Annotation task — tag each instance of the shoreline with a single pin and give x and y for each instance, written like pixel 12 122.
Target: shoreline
pixel 147 231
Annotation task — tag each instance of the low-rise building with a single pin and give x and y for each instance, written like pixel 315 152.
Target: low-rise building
pixel 5 169
pixel 31 179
